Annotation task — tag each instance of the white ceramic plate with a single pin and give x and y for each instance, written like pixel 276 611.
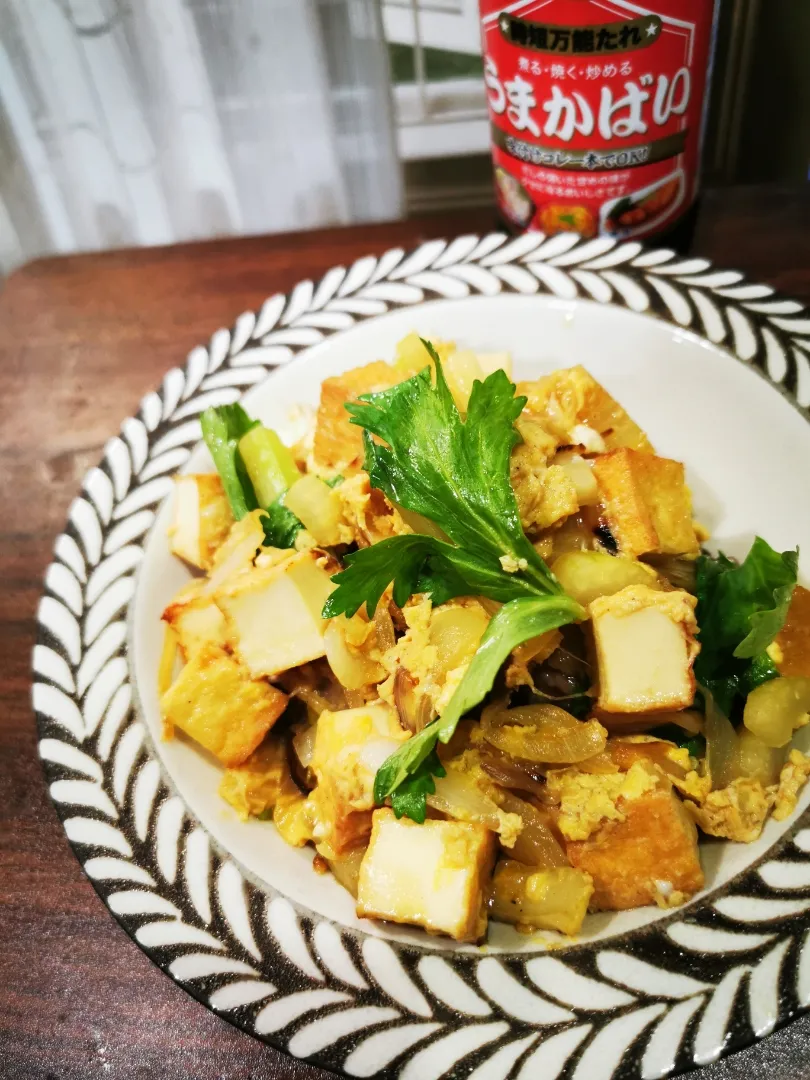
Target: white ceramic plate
pixel 716 370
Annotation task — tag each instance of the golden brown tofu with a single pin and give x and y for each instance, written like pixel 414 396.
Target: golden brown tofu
pixel 793 640
pixel 350 745
pixel 571 397
pixel 216 703
pixel 239 549
pixel 274 614
pixel 647 503
pixel 650 855
pixel 645 648
pixel 434 875
pixel 263 785
pixel 338 444
pixel 195 619
pixel 202 518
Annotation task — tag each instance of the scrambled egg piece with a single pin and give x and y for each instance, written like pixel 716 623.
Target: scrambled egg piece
pixel 570 398
pixel 687 774
pixel 588 800
pixel 433 875
pixel 792 779
pixel 737 812
pixel 215 702
pixel 366 514
pixel 436 649
pixel 649 856
pixel 545 493
pixel 350 745
pixel 263 785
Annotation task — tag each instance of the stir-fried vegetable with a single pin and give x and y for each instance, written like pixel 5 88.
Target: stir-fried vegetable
pixel 542 733
pixel 741 609
pixel 222 430
pixel 454 472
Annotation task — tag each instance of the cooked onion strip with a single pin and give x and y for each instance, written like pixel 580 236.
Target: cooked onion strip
pixel 543 733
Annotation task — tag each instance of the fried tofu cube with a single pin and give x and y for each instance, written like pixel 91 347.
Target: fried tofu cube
pixel 571 398
pixel 434 875
pixel 202 518
pixel 238 550
pixel 195 619
pixel 647 503
pixel 216 703
pixel 263 785
pixel 645 648
pixel 274 614
pixel 350 745
pixel 649 857
pixel 338 444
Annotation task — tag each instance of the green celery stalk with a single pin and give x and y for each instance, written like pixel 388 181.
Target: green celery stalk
pixel 269 464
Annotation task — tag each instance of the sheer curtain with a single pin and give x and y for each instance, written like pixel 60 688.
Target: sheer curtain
pixel 152 121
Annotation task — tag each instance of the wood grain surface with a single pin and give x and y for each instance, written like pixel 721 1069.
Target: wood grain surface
pixel 82 339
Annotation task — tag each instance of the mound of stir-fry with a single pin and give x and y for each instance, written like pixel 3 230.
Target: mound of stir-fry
pixel 463 641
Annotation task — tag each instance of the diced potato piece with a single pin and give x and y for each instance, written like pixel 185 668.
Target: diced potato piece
pixel 195 619
pixel 274 614
pixel 550 899
pixel 647 503
pixel 317 506
pixel 645 648
pixel 587 575
pixel 461 370
pixel 492 361
pixel 216 703
pixel 202 518
pixel 263 785
pixel 338 444
pixel 433 875
pixel 777 708
pixel 411 356
pixel 793 640
pixel 350 745
pixel 571 397
pixel 649 857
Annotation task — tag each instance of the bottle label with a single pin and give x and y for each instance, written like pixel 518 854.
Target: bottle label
pixel 597 109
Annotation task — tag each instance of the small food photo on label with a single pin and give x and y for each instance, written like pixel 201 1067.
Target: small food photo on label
pixel 636 212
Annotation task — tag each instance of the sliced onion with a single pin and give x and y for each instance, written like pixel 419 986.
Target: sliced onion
pixel 458 796
pixel 384 627
pixel 543 733
pixel 722 750
pixel 346 869
pixel 415 709
pixel 304 744
pixel 509 773
pixel 536 845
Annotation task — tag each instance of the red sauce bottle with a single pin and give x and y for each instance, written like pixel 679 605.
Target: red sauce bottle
pixel 598 112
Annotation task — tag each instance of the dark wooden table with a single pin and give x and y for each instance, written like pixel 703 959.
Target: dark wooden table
pixel 81 340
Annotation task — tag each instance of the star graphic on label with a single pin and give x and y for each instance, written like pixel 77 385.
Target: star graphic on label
pixel 652 30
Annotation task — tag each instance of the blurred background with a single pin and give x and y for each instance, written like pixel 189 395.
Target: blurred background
pixel 130 122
